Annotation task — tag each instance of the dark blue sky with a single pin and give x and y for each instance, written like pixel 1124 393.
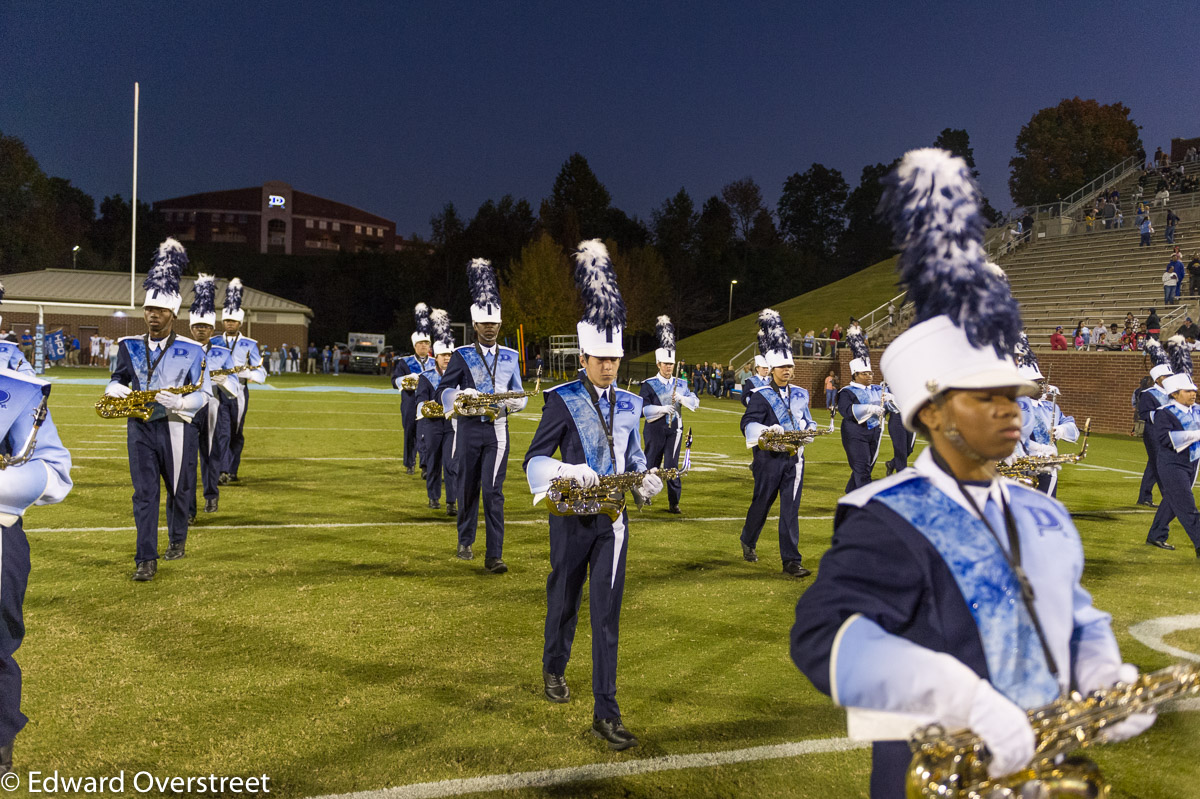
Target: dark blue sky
pixel 398 108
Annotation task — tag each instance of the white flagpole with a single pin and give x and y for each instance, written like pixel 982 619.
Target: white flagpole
pixel 133 233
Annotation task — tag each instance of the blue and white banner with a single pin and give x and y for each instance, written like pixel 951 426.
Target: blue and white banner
pixel 56 345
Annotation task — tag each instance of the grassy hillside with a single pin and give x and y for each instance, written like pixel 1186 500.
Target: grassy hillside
pixel 836 302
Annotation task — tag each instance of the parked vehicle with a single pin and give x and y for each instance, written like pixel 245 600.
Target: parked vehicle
pixel 364 357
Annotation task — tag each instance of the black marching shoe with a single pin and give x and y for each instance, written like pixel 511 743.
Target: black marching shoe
pixel 452 509
pixel 6 757
pixel 465 553
pixel 174 552
pixel 192 517
pixel 233 478
pixel 223 479
pixel 146 569
pixel 890 470
pixel 794 568
pixel 495 565
pixel 1148 504
pixel 433 503
pixel 749 555
pixel 210 505
pixel 613 731
pixel 674 509
pixel 1161 545
pixel 556 687
pixel 408 470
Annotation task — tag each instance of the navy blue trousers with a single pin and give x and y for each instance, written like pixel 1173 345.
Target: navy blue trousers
pixel 237 427
pixel 437 453
pixel 1178 502
pixel 14 576
pixel 481 457
pixel 161 452
pixel 588 548
pixel 662 452
pixel 408 418
pixel 889 769
pixel 783 477
pixel 212 443
pixel 903 442
pixel 1047 483
pixel 1150 475
pixel 862 448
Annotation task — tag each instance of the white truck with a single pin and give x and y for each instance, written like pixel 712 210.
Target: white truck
pixel 365 352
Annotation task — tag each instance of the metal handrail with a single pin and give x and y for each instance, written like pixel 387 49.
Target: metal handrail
pixel 868 322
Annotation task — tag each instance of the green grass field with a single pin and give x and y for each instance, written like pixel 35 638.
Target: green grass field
pixel 321 631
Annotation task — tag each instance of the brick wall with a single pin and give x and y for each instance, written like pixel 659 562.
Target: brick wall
pixel 1093 384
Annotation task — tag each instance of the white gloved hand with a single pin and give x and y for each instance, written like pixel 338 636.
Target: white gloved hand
pixel 1106 675
pixel 1050 391
pixel 581 473
pixel 169 400
pixel 877 410
pixel 775 428
pixel 888 396
pixel 513 405
pixel 651 485
pixel 691 403
pixel 1004 728
pixel 470 392
pixel 117 390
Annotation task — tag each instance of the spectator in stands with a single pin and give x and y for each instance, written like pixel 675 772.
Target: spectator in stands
pixel 1191 155
pixel 1057 340
pixel 836 336
pixel 1172 221
pixel 1162 197
pixel 1077 336
pixel 1153 325
pixel 1109 214
pixel 1087 335
pixel 1142 212
pixel 1170 283
pixel 1027 226
pixel 1188 329
pixel 1146 229
pixel 1176 264
pixel 809 343
pixel 1101 337
pixel 1119 222
pixel 1193 269
pixel 1158 157
pixel 1089 220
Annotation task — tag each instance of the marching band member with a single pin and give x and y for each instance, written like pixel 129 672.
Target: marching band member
pixel 245 351
pixel 950 595
pixel 1043 423
pixel 861 406
pixel 11 356
pixel 1176 428
pixel 662 397
pixel 43 479
pixel 776 408
pixel 416 364
pixel 760 378
pixel 163 446
pixel 594 427
pixel 212 426
pixel 480 443
pixel 437 435
pixel 903 441
pixel 1150 400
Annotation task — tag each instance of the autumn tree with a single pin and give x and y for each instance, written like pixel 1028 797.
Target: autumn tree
pixel 540 293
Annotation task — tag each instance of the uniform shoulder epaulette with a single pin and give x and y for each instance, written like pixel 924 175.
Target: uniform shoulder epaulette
pixel 861 496
pixel 33 380
pixel 186 340
pixel 127 338
pixel 757 389
pixel 559 387
pixel 630 394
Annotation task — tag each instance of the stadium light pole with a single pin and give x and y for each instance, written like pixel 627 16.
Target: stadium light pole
pixel 732 283
pixel 74 253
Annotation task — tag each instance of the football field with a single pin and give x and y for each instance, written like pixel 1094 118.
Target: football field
pixel 321 631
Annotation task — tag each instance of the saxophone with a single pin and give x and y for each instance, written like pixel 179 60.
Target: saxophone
pixel 233 370
pixel 409 382
pixel 481 404
pixel 1030 466
pixel 137 403
pixel 26 453
pixel 954 765
pixel 790 441
pixel 568 498
pixel 432 410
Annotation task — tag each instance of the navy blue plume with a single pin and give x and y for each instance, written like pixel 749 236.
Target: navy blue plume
pixel 932 205
pixel 421 315
pixel 233 295
pixel 169 262
pixel 773 336
pixel 1024 354
pixel 439 325
pixel 857 342
pixel 481 280
pixel 1181 356
pixel 665 331
pixel 204 291
pixel 1154 349
pixel 603 307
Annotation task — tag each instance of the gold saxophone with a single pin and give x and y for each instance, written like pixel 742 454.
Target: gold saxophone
pixel 136 403
pixel 409 382
pixel 432 410
pixel 233 370
pixel 481 404
pixel 1026 468
pixel 568 498
pixel 954 765
pixel 790 441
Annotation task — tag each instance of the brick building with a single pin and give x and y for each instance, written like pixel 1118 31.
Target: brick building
pixel 270 319
pixel 274 218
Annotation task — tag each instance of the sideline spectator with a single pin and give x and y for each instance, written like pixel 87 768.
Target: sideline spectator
pixel 311 366
pixel 831 390
pixel 730 381
pixel 1057 340
pixel 336 359
pixel 325 355
pixel 1170 282
pixel 1153 325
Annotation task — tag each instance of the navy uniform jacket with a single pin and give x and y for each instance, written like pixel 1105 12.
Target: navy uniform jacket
pixel 657 391
pixel 183 364
pixel 459 375
pixel 410 365
pixel 427 385
pixel 760 414
pixel 1170 433
pixel 1150 400
pixel 752 382
pixel 245 351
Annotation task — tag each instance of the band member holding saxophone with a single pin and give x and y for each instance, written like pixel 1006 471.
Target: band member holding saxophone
pixel 1043 424
pixel 594 426
pixel 245 355
pixel 163 446
pixel 212 426
pixel 412 367
pixel 861 405
pixel 436 432
pixel 481 440
pixel 950 595
pixel 1176 430
pixel 662 398
pixel 778 408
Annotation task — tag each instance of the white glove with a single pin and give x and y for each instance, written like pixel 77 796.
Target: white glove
pixel 581 473
pixel 470 392
pixel 651 485
pixel 691 403
pixel 1105 676
pixel 877 410
pixel 1051 391
pixel 775 428
pixel 888 396
pixel 513 405
pixel 117 390
pixel 1004 728
pixel 169 400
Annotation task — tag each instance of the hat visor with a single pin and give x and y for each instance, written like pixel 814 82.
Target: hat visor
pixel 985 380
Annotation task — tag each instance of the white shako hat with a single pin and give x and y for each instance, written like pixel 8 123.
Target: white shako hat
pixel 1026 359
pixel 759 360
pixel 204 302
pixel 1160 365
pixel 232 308
pixel 603 322
pixel 774 343
pixel 485 292
pixel 966 322
pixel 443 336
pixel 162 282
pixel 861 362
pixel 421 318
pixel 1181 364
pixel 664 331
